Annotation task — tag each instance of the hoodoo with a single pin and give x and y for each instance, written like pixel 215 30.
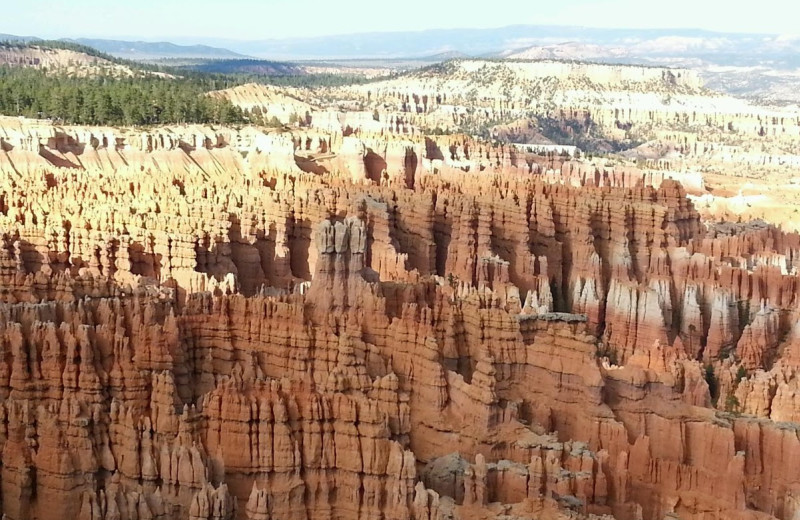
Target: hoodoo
pixel 271 343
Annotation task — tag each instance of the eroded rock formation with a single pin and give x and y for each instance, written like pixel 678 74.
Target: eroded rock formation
pixel 269 338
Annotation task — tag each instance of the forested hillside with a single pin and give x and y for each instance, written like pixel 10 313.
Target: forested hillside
pixel 145 100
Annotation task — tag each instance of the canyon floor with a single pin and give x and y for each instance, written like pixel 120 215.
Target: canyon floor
pixel 484 290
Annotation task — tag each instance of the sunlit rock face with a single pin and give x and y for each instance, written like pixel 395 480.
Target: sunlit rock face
pixel 332 326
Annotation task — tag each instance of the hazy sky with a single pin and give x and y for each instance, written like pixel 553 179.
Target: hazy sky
pixel 262 19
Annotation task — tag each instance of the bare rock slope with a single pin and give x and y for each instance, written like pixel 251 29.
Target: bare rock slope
pixel 63 61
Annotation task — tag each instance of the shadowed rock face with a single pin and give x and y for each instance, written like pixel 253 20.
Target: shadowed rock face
pixel 258 342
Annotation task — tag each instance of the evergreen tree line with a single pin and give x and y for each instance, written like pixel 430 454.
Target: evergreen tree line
pixel 309 80
pixel 278 73
pixel 103 100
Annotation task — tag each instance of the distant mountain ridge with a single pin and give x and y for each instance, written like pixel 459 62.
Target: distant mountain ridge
pixel 687 44
pixel 481 42
pixel 15 38
pixel 141 50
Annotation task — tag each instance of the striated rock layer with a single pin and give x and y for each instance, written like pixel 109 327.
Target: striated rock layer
pixel 383 335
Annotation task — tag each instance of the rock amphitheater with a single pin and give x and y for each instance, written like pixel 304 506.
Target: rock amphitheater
pixel 358 322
